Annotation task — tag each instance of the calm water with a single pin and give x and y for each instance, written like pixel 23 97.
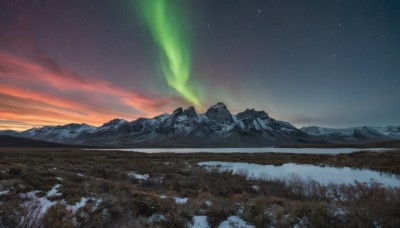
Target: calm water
pixel 249 150
pixel 323 175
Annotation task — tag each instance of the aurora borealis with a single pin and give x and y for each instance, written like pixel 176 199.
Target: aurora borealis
pixel 167 27
pixel 333 64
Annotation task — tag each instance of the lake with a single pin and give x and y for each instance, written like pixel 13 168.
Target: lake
pixel 321 174
pixel 249 150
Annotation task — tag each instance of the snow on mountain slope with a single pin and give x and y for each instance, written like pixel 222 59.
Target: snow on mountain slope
pixel 111 125
pixel 390 131
pixel 362 132
pixel 216 127
pixel 183 126
pixel 57 133
pixel 322 131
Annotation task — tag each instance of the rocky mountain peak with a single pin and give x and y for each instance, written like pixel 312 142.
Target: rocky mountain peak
pixel 190 112
pixel 177 111
pixel 219 113
pixel 115 122
pixel 252 114
pixel 184 127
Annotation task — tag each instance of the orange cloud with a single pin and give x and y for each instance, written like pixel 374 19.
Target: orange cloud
pixel 40 92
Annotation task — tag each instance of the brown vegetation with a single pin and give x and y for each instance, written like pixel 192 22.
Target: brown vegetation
pixel 127 201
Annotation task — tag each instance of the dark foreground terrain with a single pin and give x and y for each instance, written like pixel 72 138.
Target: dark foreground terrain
pixel 56 187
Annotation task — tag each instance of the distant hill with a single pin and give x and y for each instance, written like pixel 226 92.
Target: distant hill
pixel 12 141
pixel 364 134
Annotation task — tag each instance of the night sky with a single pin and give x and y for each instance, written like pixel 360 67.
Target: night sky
pixel 326 63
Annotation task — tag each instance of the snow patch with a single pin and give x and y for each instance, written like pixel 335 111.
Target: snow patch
pixel 199 221
pixel 234 221
pixel 38 206
pixel 256 187
pixel 52 170
pixel 4 192
pixel 155 218
pixel 138 176
pixel 54 191
pixel 96 204
pixel 78 205
pixel 180 200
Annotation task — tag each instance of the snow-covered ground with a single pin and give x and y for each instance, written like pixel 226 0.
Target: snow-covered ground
pixel 208 203
pixel 180 200
pixel 38 206
pixel 324 175
pixel 138 176
pixel 154 218
pixel 78 205
pixel 199 221
pixel 5 192
pixel 54 191
pixel 233 221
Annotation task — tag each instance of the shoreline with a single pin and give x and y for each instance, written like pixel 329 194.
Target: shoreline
pixel 375 160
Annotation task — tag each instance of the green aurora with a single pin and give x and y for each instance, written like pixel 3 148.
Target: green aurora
pixel 166 25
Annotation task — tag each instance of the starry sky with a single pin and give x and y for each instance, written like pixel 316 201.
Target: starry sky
pixel 327 63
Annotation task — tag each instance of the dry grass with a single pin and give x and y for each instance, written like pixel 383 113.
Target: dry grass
pixel 127 201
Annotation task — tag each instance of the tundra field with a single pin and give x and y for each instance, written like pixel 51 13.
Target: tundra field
pixel 55 187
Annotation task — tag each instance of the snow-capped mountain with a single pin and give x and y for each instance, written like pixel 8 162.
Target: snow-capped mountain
pixel 363 133
pixel 217 127
pixel 110 126
pixel 184 127
pixel 57 133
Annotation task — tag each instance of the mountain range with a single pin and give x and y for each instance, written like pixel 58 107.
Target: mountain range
pixel 217 127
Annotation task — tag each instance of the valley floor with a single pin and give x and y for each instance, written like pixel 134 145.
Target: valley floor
pixel 51 187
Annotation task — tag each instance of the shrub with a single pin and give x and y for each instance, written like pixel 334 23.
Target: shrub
pixel 58 216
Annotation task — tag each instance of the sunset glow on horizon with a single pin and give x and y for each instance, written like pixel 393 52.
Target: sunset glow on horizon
pixel 331 65
pixel 36 95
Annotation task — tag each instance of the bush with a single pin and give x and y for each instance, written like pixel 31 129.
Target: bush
pixel 58 216
pixel 10 213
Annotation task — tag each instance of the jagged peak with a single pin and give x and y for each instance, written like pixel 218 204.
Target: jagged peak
pixel 162 116
pixel 219 113
pixel 219 105
pixel 177 111
pixel 190 112
pixel 76 125
pixel 252 113
pixel 115 121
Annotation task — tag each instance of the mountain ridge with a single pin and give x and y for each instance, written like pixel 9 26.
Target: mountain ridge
pixel 216 127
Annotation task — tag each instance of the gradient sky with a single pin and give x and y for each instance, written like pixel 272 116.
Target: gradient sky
pixel 328 63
